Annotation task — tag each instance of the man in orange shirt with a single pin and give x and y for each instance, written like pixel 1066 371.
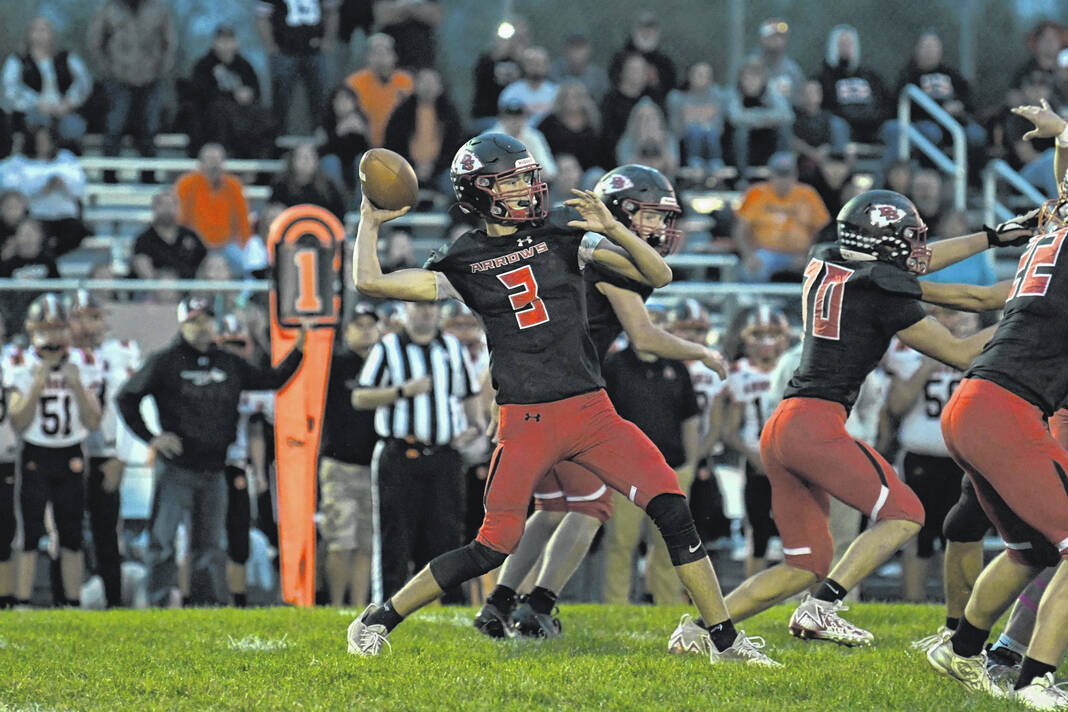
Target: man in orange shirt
pixel 212 203
pixel 380 86
pixel 778 222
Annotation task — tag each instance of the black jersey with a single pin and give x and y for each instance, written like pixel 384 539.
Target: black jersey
pixel 604 324
pixel 1028 353
pixel 850 310
pixel 528 290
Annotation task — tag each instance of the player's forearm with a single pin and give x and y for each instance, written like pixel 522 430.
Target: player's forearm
pixel 947 252
pixel 655 340
pixel 647 260
pixel 968 349
pixel 1060 165
pixel 371 398
pixel 691 441
pixel 22 409
pixel 904 392
pixel 966 297
pixel 88 407
pixel 414 285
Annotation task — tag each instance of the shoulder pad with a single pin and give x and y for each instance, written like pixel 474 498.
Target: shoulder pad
pixel 890 279
pixel 439 255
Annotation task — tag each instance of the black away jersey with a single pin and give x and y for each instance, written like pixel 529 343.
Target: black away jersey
pixel 528 290
pixel 1028 353
pixel 604 324
pixel 850 310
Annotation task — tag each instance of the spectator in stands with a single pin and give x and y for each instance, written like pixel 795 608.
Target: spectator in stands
pixel 412 24
pixel 947 88
pixel 14 208
pixel 495 69
pixel 851 90
pixel 349 440
pixel 380 86
pixel 217 268
pixel 512 120
pixel 630 85
pixel 572 125
pixel 134 44
pixel 45 86
pixel 647 140
pixel 196 386
pixel 778 222
pixel 696 114
pixel 25 255
pixel 644 40
pixel 760 118
pixel 1045 40
pixel 427 129
pixel 399 254
pixel 534 90
pixel 1033 158
pixel 784 74
pixel 254 256
pixel 816 130
pixel 899 176
pixel 830 176
pixel 212 203
pixel 346 137
pixel 927 194
pixel 575 65
pixel 977 269
pixel 297 37
pixel 166 245
pixel 54 182
pixel 303 181
pixel 226 92
pixel 569 176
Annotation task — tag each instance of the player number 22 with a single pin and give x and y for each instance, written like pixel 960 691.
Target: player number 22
pixel 529 309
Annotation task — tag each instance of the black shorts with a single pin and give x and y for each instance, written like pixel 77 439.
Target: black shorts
pixel 55 475
pixel 935 480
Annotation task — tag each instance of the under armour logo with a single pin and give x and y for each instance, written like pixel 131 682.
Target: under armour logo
pixel 536 417
pixel 524 241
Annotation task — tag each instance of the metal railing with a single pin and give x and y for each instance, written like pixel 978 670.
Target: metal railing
pixel 957 167
pixel 998 171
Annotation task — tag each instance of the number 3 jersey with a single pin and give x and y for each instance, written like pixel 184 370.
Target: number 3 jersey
pixel 921 427
pixel 1028 354
pixel 851 310
pixel 528 290
pixel 57 421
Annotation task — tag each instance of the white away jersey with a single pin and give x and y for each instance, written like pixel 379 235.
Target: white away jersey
pixel 9 440
pixel 251 402
pixel 706 385
pixel 118 360
pixel 56 421
pixel 921 427
pixel 751 387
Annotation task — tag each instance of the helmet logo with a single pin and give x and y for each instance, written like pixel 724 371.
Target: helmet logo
pixel 882 215
pixel 465 162
pixel 617 183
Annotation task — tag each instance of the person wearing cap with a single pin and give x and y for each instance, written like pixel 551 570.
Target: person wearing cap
pixel 224 103
pixel 784 74
pixel 778 222
pixel 514 120
pixel 644 39
pixel 348 443
pixel 197 387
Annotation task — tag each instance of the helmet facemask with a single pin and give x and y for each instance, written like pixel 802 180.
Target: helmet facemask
pixel 665 237
pixel 532 199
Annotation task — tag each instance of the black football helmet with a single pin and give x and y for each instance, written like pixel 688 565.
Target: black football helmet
pixel 628 189
pixel 765 334
pixel 884 225
pixel 47 325
pixel 688 319
pixel 482 163
pixel 86 318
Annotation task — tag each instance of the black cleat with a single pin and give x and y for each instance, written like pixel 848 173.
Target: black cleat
pixel 494 622
pixel 531 624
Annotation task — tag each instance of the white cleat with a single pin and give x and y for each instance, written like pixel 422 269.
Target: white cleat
pixel 367 639
pixel 968 671
pixel 819 620
pixel 930 641
pixel 745 649
pixel 689 638
pixel 1043 694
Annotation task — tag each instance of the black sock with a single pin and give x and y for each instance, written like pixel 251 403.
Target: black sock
pixel 952 623
pixel 831 591
pixel 1030 669
pixel 22 602
pixel 7 601
pixel 723 634
pixel 542 600
pixel 386 615
pixel 502 597
pixel 968 640
pixel 73 603
pixel 187 601
pixel 240 599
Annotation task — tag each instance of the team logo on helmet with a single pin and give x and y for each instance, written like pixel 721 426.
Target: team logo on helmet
pixel 882 215
pixel 617 183
pixel 465 162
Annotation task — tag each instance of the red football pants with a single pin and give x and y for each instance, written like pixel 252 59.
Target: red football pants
pixel 807 455
pixel 570 487
pixel 1018 469
pixel 583 429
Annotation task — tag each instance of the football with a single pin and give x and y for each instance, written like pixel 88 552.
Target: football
pixel 387 179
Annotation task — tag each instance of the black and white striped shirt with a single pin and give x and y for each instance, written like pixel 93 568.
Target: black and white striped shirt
pixel 435 417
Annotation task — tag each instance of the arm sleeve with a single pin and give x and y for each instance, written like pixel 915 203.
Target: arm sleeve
pixel 445 290
pixel 271 379
pixel 67 167
pixel 82 85
pixel 374 372
pixel 17 95
pixel 586 247
pixel 128 400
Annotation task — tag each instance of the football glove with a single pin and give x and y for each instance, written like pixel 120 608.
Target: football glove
pixel 997 236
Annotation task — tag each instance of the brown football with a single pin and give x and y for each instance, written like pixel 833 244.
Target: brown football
pixel 387 179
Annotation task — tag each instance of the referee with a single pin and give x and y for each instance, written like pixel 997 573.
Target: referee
pixel 424 392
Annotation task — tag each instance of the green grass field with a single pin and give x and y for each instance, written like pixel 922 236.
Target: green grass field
pixel 611 658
